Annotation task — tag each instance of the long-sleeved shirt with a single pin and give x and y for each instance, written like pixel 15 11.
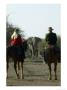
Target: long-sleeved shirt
pixel 51 38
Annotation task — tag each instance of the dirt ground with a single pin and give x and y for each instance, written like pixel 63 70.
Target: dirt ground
pixel 35 74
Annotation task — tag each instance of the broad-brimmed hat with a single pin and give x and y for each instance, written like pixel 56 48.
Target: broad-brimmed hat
pixel 50 29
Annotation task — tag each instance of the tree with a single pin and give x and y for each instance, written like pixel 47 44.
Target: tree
pixel 10 29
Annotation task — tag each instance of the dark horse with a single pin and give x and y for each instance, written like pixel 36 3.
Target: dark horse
pixel 18 58
pixel 52 55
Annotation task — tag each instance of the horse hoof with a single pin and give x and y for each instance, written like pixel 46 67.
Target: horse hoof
pixel 49 79
pixel 55 78
pixel 23 77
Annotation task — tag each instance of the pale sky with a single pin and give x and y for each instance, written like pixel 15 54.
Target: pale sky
pixel 34 19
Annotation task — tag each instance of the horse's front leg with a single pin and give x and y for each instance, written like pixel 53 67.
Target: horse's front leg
pixel 55 70
pixel 50 76
pixel 22 76
pixel 7 66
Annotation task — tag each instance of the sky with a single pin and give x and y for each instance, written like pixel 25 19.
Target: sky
pixel 34 19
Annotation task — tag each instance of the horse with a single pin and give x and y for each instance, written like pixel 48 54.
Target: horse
pixel 18 58
pixel 52 55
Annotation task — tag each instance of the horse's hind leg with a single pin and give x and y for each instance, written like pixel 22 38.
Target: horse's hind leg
pixel 18 63
pixel 50 76
pixel 55 70
pixel 7 69
pixel 15 67
pixel 7 66
pixel 22 76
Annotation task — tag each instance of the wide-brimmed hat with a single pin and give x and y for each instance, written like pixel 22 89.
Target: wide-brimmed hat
pixel 50 29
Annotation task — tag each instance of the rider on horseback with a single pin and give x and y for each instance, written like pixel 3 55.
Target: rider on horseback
pixel 17 41
pixel 51 39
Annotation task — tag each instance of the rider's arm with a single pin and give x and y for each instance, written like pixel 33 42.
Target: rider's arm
pixel 55 37
pixel 46 38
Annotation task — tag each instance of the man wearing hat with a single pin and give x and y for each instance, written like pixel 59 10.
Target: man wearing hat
pixel 51 38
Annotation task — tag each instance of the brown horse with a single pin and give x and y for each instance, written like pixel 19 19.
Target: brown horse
pixel 12 52
pixel 52 55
